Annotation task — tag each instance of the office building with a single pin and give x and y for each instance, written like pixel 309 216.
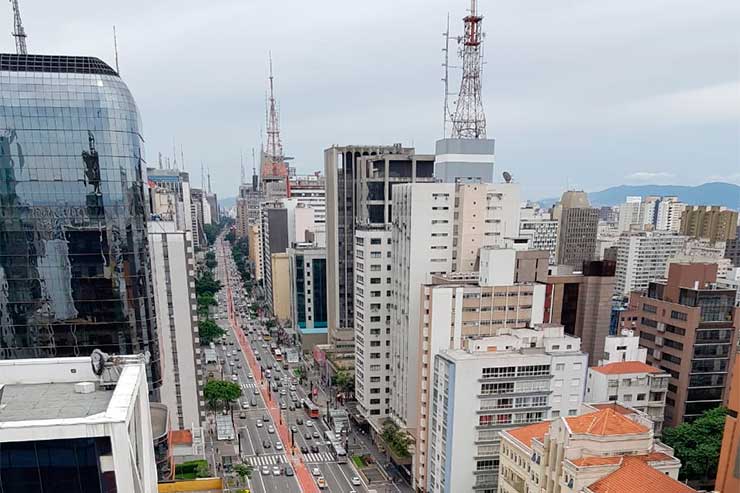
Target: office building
pixel 577 230
pixel 438 228
pixel 689 327
pixel 519 377
pixel 176 203
pixel 642 257
pixel 714 223
pixel 624 346
pixel 65 428
pixel 732 249
pixel 541 234
pixel 310 190
pixel 198 206
pixel 652 212
pixel 605 449
pixel 343 185
pixel 631 214
pixel 635 383
pixel 581 302
pixel 173 276
pixel 307 264
pixel 728 468
pixel 280 286
pixel 74 259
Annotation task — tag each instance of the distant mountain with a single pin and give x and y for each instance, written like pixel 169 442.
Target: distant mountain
pixel 716 193
pixel 227 203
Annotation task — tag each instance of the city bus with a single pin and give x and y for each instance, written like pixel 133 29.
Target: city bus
pixel 339 453
pixel 311 409
pixel 278 355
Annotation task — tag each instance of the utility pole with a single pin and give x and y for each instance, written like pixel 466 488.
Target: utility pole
pixel 18 32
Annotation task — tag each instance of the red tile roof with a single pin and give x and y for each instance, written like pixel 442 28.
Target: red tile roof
pixel 635 476
pixel 617 459
pixel 613 406
pixel 622 367
pixel 182 437
pixel 604 422
pixel 525 434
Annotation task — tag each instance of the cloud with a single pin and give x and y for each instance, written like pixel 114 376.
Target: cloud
pixel 730 178
pixel 650 176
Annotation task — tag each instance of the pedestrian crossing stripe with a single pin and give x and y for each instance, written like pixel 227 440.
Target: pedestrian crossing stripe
pixel 319 457
pixel 266 460
pixel 248 385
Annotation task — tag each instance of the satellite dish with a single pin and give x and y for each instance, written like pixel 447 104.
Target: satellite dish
pixel 97 360
pixel 507 177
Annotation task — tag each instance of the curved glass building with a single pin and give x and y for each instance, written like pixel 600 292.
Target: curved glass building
pixel 74 260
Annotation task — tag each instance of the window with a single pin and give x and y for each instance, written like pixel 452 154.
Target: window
pixel 640 397
pixel 560 367
pixel 649 308
pixel 679 315
pixel 627 398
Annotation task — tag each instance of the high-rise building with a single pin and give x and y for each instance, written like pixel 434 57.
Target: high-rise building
pixel 307 264
pixel 310 190
pixel 728 468
pixel 732 249
pixel 173 276
pixel 519 377
pixel 577 230
pixel 74 259
pixel 344 184
pixel 714 223
pixel 199 208
pixel 179 206
pixel 581 303
pixel 541 234
pixel 659 213
pixel 642 256
pixel 438 228
pixel 689 327
pixel 668 215
pixel 280 287
pixel 604 449
pixel 254 240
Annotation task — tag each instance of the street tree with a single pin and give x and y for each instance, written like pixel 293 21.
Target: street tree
pixel 244 471
pixel 209 331
pixel 220 393
pixel 697 444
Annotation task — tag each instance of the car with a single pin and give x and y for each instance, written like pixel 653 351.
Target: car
pixel 239 366
pixel 291 407
pixel 356 481
pixel 265 418
pixel 276 471
pixel 250 376
pixel 245 405
pixel 234 378
pixel 283 391
pixel 264 345
pixel 321 483
pixel 316 434
pixel 259 423
pixel 309 423
pixel 314 448
pixel 292 388
pixel 266 444
pixel 299 421
pixel 294 429
pixel 258 357
pixel 307 436
pixel 256 391
pixel 288 471
pixel 265 470
pixel 278 446
pixel 316 471
pixel 270 429
pixel 238 348
pixel 253 401
pixel 304 449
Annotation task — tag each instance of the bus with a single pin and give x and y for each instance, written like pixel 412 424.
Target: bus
pixel 278 355
pixel 311 409
pixel 339 453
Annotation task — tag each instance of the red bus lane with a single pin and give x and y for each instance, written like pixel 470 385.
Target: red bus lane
pixel 302 473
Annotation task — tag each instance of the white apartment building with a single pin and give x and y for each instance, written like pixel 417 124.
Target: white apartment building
pixel 173 277
pixel 630 213
pixel 662 213
pixel 643 256
pixel 635 383
pixel 668 215
pixel 519 377
pixel 310 190
pixel 63 426
pixel 541 234
pixel 372 321
pixel 437 228
pixel 604 449
pixel 623 347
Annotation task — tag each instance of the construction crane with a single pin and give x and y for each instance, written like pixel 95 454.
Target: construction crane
pixel 18 32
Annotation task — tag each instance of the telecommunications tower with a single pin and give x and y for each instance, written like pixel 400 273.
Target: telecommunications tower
pixel 468 120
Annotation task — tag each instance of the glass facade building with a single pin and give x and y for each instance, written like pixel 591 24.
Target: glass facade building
pixel 74 260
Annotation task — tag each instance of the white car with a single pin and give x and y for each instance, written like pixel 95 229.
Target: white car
pixel 276 471
pixel 259 423
pixel 278 446
pixel 234 378
pixel 309 423
pixel 316 471
pixel 270 429
pixel 265 470
pixel 356 481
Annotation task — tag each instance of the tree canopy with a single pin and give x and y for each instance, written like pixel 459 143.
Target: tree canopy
pixel 209 331
pixel 207 284
pixel 220 393
pixel 344 380
pixel 697 444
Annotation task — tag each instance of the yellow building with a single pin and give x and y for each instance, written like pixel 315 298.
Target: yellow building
pixel 714 223
pixel 281 286
pixel 254 240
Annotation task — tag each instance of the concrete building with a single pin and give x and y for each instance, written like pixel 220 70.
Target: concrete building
pixel 602 450
pixel 631 213
pixel 65 428
pixel 311 191
pixel 652 212
pixel 714 223
pixel 668 215
pixel 197 202
pixel 343 184
pixel 623 347
pixel 732 249
pixel 577 230
pixel 728 468
pixel 173 276
pixel 178 183
pixel 642 256
pixel 581 303
pixel 274 236
pixel 438 228
pixel 635 383
pixel 307 264
pixel 519 377
pixel 464 160
pixel 254 242
pixel 689 327
pixel 541 234
pixel 280 286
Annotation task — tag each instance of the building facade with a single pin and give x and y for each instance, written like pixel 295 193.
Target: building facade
pixel 74 259
pixel 689 328
pixel 541 234
pixel 728 468
pixel 307 264
pixel 714 223
pixel 642 257
pixel 577 230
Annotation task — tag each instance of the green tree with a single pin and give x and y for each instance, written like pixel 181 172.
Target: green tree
pixel 697 444
pixel 209 331
pixel 206 284
pixel 244 471
pixel 211 231
pixel 220 393
pixel 396 439
pixel 205 301
pixel 344 380
pixel 203 471
pixel 230 237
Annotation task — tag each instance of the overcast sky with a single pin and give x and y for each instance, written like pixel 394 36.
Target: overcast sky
pixel 579 93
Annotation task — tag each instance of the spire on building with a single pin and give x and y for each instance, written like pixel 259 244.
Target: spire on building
pixel 469 120
pixel 18 32
pixel 115 47
pixel 273 160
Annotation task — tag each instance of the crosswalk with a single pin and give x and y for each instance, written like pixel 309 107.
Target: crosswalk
pixel 319 457
pixel 249 385
pixel 267 460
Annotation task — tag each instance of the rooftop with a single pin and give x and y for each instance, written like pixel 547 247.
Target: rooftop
pixel 635 476
pixel 526 434
pixel 46 401
pixel 623 367
pixel 619 459
pixel 615 407
pixel 604 422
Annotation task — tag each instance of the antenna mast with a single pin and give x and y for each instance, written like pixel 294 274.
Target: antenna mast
pixel 18 32
pixel 275 160
pixel 446 78
pixel 469 121
pixel 244 174
pixel 115 47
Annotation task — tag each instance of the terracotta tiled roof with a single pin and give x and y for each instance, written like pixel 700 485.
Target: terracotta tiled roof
pixel 614 406
pixel 617 459
pixel 182 437
pixel 635 476
pixel 626 367
pixel 604 422
pixel 525 434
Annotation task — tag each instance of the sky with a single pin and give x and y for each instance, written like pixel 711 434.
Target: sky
pixel 577 93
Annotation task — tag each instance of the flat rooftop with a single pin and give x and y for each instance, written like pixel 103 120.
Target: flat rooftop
pixel 41 401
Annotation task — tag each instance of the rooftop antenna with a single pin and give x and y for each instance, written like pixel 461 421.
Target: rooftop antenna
pixel 159 160
pixel 244 174
pixel 174 154
pixel 18 32
pixel 182 158
pixel 202 176
pixel 274 145
pixel 446 78
pixel 115 47
pixel 209 179
pixel 469 120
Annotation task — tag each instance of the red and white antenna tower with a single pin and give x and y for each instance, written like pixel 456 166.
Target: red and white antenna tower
pixel 469 121
pixel 274 151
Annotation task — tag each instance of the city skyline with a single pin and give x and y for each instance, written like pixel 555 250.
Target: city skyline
pixel 544 81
